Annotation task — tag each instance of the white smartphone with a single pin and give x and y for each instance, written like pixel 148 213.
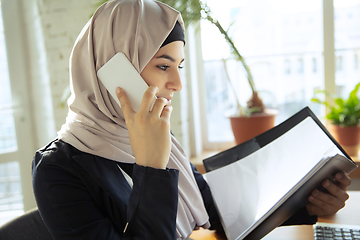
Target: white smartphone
pixel 119 72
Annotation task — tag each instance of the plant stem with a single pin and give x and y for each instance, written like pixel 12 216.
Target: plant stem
pixel 235 93
pixel 234 50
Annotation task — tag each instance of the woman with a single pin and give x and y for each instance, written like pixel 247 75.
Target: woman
pixel 114 173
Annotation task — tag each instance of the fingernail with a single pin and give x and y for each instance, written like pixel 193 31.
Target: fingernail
pixel 118 90
pixel 316 193
pixel 326 183
pixel 339 176
pixel 169 107
pixel 311 198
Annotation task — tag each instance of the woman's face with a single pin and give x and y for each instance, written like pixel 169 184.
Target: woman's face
pixel 163 69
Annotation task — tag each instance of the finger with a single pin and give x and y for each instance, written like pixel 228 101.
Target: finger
pixel 335 190
pixel 314 210
pixel 126 106
pixel 167 110
pixel 326 200
pixel 320 207
pixel 148 98
pixel 159 105
pixel 343 179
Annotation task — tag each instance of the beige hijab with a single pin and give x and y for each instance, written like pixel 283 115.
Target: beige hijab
pixel 95 122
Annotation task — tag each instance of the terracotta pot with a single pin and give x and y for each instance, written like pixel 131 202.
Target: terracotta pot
pixel 245 128
pixel 347 137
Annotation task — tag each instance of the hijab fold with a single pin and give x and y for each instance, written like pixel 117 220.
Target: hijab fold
pixel 95 123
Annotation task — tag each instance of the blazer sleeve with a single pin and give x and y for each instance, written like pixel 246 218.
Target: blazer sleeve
pixel 74 206
pixel 65 204
pixel 153 204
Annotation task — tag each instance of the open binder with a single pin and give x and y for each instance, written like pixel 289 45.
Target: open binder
pixel 259 184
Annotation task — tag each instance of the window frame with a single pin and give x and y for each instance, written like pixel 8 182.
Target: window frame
pixel 14 34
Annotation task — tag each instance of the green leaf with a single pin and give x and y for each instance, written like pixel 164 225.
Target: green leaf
pixel 344 112
pixel 316 100
pixel 340 102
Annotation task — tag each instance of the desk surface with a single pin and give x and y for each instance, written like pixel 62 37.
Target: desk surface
pixel 348 215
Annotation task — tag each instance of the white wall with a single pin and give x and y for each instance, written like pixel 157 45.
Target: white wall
pixel 51 28
pixel 61 22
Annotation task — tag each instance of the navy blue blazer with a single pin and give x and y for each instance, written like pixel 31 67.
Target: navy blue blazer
pixel 82 196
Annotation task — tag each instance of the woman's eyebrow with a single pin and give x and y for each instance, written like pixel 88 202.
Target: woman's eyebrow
pixel 168 58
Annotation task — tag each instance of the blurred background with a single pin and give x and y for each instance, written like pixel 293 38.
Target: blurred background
pixel 284 43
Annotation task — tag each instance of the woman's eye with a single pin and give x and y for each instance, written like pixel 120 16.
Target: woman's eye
pixel 163 67
pixel 180 67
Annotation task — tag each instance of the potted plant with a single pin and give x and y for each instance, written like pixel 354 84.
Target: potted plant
pixel 344 115
pixel 252 119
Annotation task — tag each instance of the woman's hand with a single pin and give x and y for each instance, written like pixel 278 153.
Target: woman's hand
pixel 321 203
pixel 149 131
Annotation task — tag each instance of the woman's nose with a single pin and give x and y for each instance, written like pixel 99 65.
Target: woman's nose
pixel 175 82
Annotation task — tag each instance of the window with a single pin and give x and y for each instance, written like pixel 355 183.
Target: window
pixel 314 65
pixel 275 32
pixel 339 63
pixel 16 138
pixel 10 185
pixel 7 124
pixel 347 45
pixel 300 66
pixel 271 35
pixel 287 67
pixel 11 199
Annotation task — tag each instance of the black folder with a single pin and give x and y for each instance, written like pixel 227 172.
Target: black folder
pixel 295 200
